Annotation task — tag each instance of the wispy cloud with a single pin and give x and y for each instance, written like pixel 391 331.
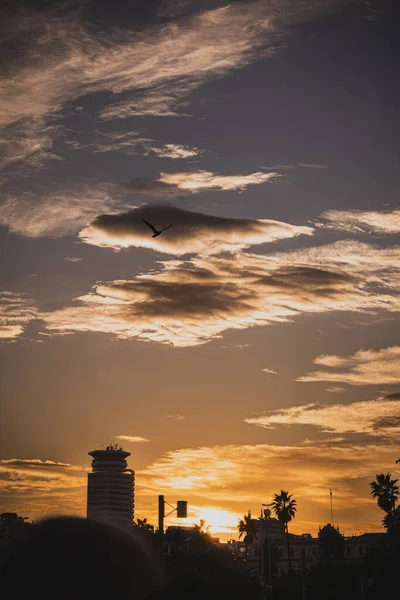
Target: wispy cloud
pixel 191 232
pixel 73 259
pixel 134 142
pixel 175 417
pixel 289 167
pixel 55 214
pixel 193 182
pixel 365 367
pixel 16 310
pixel 148 72
pixel 380 417
pixel 134 439
pixel 41 487
pixel 65 212
pixel 270 371
pixel 176 151
pixel 335 389
pixel 357 221
pixel 190 302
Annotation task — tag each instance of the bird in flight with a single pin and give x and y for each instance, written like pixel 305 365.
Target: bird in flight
pixel 155 231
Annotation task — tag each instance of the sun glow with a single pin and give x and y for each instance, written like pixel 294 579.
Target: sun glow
pixel 219 520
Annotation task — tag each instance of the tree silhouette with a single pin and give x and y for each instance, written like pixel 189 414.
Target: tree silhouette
pixel 392 521
pixel 201 526
pixel 247 527
pixel 385 490
pixel 177 540
pixel 144 525
pixel 284 506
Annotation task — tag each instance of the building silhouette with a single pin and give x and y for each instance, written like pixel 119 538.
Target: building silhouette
pixel 111 486
pixel 11 525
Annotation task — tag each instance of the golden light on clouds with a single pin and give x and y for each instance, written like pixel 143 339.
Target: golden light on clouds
pixel 132 439
pixel 255 473
pixel 221 483
pixel 194 181
pixel 191 232
pixel 358 221
pixel 380 417
pixel 365 367
pixel 190 302
pixel 16 310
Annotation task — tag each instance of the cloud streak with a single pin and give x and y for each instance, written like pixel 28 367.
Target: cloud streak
pixel 191 232
pixel 42 487
pixel 380 417
pixel 176 151
pixel 56 214
pixel 150 72
pixel 133 439
pixel 365 367
pixel 191 302
pixel 357 221
pixel 193 182
pixel 16 310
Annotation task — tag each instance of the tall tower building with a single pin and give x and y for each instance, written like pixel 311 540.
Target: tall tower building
pixel 111 486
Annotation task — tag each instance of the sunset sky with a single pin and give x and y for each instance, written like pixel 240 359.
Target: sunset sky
pixel 252 347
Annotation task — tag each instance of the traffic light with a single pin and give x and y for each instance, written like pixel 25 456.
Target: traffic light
pixel 181 509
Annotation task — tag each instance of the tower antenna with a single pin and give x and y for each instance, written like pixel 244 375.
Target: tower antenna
pixel 330 493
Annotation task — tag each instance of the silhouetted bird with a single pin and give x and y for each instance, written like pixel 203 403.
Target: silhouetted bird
pixel 155 231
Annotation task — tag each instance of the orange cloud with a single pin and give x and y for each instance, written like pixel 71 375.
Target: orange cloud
pixel 134 439
pixel 36 487
pixel 235 478
pixel 190 302
pixel 220 482
pixel 380 417
pixel 365 367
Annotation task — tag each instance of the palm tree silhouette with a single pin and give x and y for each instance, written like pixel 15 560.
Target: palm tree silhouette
pixel 386 491
pixel 201 526
pixel 284 506
pixel 247 527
